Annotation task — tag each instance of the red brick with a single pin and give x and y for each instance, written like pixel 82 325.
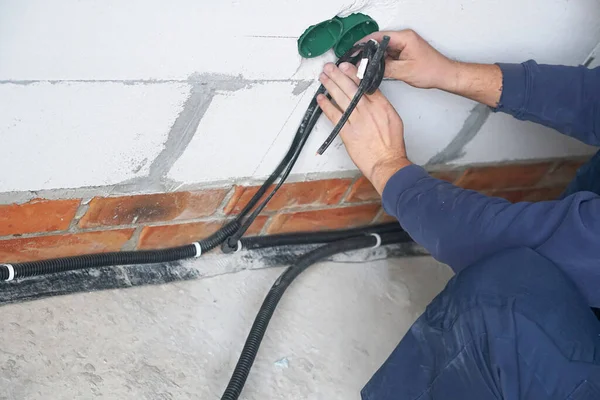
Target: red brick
pixel 448 176
pixel 113 211
pixel 37 216
pixel 315 193
pixel 159 237
pixel 362 190
pixel 241 197
pixel 503 176
pixel 335 218
pixel 535 194
pixel 562 173
pixel 384 218
pixel 44 247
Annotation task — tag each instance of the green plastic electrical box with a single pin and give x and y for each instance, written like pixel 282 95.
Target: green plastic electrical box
pixel 317 39
pixel 339 33
pixel 356 26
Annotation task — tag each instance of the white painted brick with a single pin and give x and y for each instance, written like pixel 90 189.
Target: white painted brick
pixel 151 39
pixel 506 138
pixel 45 127
pixel 431 119
pixel 236 140
pixel 552 31
pixel 74 134
pixel 236 132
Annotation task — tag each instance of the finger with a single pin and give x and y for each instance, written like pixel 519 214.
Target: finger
pixel 395 69
pixel 344 82
pixel 329 109
pixel 337 94
pixel 398 39
pixel 351 71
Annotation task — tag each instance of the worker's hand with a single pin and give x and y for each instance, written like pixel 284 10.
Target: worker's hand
pixel 412 60
pixel 374 133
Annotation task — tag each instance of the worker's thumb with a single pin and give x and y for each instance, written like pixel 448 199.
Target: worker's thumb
pixel 395 69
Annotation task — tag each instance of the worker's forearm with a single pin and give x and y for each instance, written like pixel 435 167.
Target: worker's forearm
pixel 460 227
pixel 479 82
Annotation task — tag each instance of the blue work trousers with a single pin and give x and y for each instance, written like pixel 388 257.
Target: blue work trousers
pixel 512 326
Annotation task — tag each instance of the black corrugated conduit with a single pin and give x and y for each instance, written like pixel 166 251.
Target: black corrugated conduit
pixel 321 237
pixel 230 235
pixel 261 322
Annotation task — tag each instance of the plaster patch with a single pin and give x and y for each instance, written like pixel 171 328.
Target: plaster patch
pixel 505 138
pixel 235 132
pixel 455 149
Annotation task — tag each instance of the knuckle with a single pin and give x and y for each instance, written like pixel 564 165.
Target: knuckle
pixel 411 34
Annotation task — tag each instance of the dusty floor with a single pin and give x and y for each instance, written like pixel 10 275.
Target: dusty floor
pixel 334 327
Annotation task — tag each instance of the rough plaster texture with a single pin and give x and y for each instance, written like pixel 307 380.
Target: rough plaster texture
pixel 74 134
pixel 511 139
pixel 215 90
pixel 333 328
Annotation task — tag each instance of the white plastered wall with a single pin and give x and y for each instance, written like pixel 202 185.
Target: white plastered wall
pixel 152 95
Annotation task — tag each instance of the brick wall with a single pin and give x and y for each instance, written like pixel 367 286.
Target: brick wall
pixel 52 228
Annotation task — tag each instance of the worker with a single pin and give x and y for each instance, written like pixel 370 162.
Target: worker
pixel 515 321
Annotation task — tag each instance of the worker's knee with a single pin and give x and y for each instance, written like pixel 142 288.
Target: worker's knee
pixel 518 279
pixel 512 273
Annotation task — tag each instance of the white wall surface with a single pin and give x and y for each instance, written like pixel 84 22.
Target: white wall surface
pixel 99 93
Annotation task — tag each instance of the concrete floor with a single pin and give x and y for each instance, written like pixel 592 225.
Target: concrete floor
pixel 333 328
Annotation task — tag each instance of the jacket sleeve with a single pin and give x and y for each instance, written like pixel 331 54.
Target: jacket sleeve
pixel 460 227
pixel 564 98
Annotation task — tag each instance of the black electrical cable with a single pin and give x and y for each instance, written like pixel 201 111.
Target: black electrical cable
pixel 261 322
pixel 230 234
pixel 371 52
pixel 304 129
pixel 306 238
pixel 231 243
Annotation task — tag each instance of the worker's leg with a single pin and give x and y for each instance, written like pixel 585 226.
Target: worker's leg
pixel 587 178
pixel 499 330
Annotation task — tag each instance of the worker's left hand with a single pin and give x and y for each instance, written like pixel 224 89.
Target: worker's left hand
pixel 374 133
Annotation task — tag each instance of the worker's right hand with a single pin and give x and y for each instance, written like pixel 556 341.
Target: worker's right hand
pixel 374 133
pixel 412 60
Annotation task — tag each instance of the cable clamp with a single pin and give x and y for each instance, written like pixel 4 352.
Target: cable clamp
pixel 239 246
pixel 11 272
pixel 378 243
pixel 198 249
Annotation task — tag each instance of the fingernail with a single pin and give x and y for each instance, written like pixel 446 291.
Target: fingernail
pixel 345 66
pixel 328 67
pixel 322 77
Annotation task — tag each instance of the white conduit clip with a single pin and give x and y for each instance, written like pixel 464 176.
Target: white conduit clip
pixel 378 240
pixel 198 249
pixel 11 272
